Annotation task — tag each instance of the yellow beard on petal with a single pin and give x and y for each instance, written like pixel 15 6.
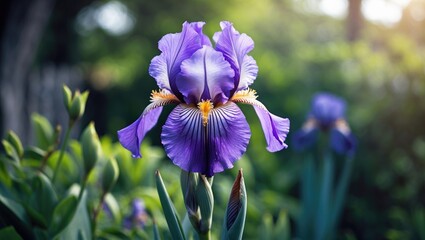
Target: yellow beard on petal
pixel 205 106
pixel 161 98
pixel 248 96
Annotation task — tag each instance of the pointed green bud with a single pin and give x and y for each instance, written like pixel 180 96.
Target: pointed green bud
pixel 234 219
pixel 67 97
pixel 205 199
pixel 91 148
pixel 78 105
pixel 110 174
pixel 16 143
pixel 189 182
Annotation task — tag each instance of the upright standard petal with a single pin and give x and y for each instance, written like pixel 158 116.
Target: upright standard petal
pixel 327 108
pixel 205 40
pixel 206 75
pixel 275 128
pixel 235 48
pixel 132 136
pixel 207 149
pixel 175 49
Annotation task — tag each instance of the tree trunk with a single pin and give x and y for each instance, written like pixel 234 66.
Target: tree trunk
pixel 354 20
pixel 24 23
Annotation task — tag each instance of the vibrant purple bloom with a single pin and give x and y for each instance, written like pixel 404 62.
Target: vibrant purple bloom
pixel 327 114
pixel 206 132
pixel 138 216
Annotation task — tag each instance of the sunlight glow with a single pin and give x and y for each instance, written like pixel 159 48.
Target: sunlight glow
pixel 114 18
pixel 386 12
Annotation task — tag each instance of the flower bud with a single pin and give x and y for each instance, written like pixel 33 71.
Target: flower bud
pixel 75 105
pixel 189 182
pixel 67 97
pixel 205 200
pixel 110 174
pixel 90 148
pixel 234 219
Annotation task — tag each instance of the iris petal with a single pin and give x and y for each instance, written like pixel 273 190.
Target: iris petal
pixel 210 149
pixel 175 48
pixel 132 136
pixel 198 28
pixel 235 48
pixel 341 142
pixel 327 108
pixel 205 75
pixel 275 129
pixel 304 139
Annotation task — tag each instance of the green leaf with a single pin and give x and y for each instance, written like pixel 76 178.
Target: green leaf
pixel 44 196
pixel 155 231
pixel 36 218
pixel 10 150
pixel 113 205
pixel 44 132
pixel 62 215
pixel 9 233
pixel 80 225
pixel 34 153
pixel 16 143
pixel 282 228
pixel 169 211
pixel 14 214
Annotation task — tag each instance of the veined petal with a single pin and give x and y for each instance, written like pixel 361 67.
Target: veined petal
pixel 132 136
pixel 235 48
pixel 198 28
pixel 275 128
pixel 205 75
pixel 205 149
pixel 175 48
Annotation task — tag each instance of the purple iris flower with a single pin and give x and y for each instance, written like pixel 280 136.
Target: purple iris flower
pixel 206 132
pixel 138 216
pixel 327 114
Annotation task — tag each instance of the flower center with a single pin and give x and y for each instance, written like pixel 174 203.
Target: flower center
pixel 205 106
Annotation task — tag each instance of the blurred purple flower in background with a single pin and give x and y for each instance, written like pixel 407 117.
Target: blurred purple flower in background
pixel 206 132
pixel 327 114
pixel 138 216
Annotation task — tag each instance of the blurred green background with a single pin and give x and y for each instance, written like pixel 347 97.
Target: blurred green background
pixel 370 52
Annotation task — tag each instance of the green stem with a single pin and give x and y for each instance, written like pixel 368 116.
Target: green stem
pixel 308 200
pixel 205 235
pixel 64 144
pixel 97 210
pixel 322 217
pixel 83 187
pixel 341 191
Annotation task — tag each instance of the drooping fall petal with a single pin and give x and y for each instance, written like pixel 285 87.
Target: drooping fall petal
pixel 205 149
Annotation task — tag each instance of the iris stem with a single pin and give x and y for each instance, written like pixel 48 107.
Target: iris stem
pixel 97 209
pixel 341 191
pixel 205 235
pixel 322 217
pixel 62 151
